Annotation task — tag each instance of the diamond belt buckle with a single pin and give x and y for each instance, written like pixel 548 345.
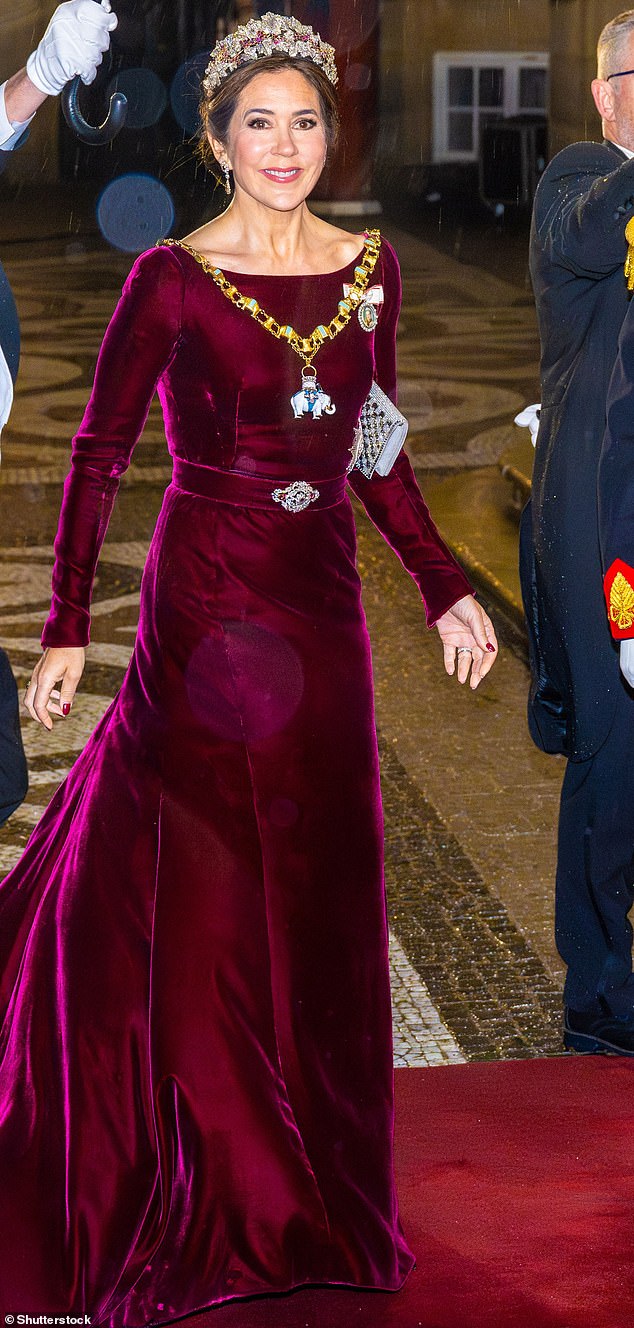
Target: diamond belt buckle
pixel 296 497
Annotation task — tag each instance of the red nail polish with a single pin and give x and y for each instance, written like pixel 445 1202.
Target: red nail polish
pixel 490 646
pixel 66 708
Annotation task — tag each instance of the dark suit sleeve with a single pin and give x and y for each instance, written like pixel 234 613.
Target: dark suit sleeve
pixel 583 204
pixel 616 489
pixel 14 781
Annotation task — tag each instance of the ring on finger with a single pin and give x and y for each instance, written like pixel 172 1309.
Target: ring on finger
pixel 463 650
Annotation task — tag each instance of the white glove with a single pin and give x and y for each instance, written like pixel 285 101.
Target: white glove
pixel 74 43
pixel 529 419
pixel 6 391
pixel 626 659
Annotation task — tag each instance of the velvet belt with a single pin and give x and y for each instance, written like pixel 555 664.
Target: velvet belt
pixel 243 490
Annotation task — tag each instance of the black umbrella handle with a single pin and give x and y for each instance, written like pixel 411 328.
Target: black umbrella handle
pixel 93 134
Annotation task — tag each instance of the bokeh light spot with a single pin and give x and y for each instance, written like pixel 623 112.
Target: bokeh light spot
pixel 358 77
pixel 283 813
pixel 246 684
pixel 185 91
pixel 134 211
pixel 146 94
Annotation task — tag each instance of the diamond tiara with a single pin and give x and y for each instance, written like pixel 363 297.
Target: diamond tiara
pixel 273 34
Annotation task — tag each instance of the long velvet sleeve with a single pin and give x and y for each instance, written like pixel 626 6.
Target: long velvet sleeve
pixel 138 345
pixel 394 502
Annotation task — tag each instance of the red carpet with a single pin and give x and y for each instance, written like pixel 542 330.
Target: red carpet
pixel 517 1194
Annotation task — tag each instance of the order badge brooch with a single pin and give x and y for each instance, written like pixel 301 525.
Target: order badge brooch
pixel 368 310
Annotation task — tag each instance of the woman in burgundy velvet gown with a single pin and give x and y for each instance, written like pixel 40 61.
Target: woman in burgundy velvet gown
pixel 196 1075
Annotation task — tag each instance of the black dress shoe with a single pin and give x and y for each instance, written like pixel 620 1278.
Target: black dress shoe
pixel 593 1032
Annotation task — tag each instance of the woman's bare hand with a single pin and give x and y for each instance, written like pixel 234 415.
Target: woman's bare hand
pixel 53 684
pixel 468 640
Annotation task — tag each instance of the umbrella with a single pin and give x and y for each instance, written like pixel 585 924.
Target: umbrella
pixel 88 133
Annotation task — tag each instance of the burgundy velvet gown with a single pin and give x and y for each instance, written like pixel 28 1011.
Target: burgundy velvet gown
pixel 196 1076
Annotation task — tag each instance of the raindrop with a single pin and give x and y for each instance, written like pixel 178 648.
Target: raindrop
pixel 75 251
pixel 353 27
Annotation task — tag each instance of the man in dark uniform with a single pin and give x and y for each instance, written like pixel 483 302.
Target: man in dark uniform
pixel 13 773
pixel 73 44
pixel 579 703
pixel 616 488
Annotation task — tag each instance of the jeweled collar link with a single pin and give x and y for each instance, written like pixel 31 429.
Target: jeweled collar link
pixel 305 347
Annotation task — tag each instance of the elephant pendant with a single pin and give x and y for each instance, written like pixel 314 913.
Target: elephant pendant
pixel 310 400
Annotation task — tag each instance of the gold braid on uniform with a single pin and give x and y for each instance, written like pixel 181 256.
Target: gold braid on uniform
pixel 621 603
pixel 629 262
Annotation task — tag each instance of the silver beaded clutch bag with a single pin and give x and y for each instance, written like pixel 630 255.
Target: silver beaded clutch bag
pixel 381 434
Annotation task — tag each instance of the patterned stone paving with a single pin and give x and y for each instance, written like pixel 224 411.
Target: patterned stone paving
pixel 486 982
pixel 472 978
pixel 420 1037
pixel 467 360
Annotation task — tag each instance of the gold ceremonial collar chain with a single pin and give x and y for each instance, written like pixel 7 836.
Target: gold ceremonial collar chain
pixel 305 347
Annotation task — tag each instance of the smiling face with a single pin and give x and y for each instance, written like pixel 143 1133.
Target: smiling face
pixel 276 144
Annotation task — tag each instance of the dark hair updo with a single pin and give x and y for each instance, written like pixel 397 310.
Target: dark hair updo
pixel 217 109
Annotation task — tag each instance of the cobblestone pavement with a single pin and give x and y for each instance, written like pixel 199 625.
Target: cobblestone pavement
pixel 470 805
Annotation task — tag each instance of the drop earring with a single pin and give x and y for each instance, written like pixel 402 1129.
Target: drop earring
pixel 226 172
